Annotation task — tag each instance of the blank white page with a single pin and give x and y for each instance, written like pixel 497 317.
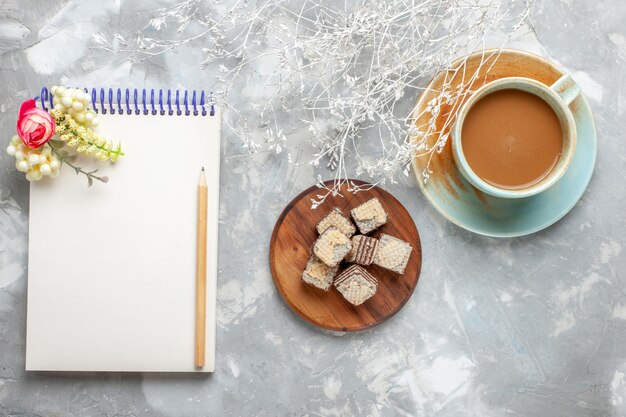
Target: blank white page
pixel 112 267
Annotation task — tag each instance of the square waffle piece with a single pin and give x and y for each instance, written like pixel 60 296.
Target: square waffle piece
pixel 392 253
pixel 356 285
pixel 332 246
pixel 318 274
pixel 369 216
pixel 363 250
pixel 336 218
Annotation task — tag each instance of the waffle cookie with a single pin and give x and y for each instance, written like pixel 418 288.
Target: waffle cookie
pixel 337 219
pixel 363 250
pixel 332 246
pixel 369 215
pixel 392 253
pixel 356 285
pixel 318 274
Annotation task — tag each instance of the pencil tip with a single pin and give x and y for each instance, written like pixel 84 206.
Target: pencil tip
pixel 202 169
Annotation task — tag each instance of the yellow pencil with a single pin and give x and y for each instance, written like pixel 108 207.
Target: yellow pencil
pixel 201 272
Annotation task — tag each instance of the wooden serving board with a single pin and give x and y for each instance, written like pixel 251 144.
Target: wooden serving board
pixel 290 249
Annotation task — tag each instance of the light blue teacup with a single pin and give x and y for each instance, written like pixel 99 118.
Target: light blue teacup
pixel 558 96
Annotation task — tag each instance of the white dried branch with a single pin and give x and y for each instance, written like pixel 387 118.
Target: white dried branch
pixel 346 70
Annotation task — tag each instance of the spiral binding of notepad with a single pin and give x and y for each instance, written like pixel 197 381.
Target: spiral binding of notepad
pixel 105 101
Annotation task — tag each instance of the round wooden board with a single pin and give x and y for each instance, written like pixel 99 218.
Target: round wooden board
pixel 290 249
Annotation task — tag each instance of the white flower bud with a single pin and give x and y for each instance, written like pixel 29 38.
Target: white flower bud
pixel 45 169
pixel 33 175
pixel 21 166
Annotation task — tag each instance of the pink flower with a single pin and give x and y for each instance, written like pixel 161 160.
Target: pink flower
pixel 34 126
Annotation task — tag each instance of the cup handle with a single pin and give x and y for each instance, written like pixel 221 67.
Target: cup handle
pixel 566 88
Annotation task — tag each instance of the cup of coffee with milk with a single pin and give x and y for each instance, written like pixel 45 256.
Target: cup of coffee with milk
pixel 515 137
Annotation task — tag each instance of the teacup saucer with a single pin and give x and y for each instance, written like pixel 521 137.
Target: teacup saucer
pixel 467 207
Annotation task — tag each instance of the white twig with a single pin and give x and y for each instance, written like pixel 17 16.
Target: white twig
pixel 348 70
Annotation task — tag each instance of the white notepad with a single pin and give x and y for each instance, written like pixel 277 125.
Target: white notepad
pixel 112 267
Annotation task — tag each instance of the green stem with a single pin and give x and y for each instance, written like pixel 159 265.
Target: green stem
pixel 90 174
